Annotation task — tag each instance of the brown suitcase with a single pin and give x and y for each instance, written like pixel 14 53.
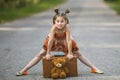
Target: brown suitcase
pixel 71 64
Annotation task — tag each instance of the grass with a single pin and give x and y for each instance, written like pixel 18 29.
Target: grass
pixel 12 14
pixel 114 4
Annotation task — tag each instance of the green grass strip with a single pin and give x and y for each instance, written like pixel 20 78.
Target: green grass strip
pixel 114 4
pixel 12 14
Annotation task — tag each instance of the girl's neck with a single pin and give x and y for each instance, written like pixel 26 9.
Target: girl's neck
pixel 60 30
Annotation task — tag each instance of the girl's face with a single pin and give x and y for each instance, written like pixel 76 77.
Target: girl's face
pixel 60 22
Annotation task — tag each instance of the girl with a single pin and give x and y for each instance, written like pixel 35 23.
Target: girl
pixel 59 39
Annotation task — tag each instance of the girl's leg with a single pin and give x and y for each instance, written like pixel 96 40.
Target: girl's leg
pixel 34 61
pixel 84 60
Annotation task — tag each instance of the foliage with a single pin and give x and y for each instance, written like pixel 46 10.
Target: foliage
pixel 14 9
pixel 9 4
pixel 114 4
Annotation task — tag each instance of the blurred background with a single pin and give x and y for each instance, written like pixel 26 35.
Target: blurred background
pixel 13 9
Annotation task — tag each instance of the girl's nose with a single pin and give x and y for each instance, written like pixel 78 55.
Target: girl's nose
pixel 59 23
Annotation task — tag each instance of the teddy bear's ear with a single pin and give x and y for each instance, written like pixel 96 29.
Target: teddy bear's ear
pixel 66 59
pixel 53 60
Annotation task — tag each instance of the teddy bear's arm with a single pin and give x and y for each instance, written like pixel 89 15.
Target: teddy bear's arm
pixel 53 70
pixel 66 70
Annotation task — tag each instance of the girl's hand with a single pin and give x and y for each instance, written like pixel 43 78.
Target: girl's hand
pixel 48 56
pixel 69 56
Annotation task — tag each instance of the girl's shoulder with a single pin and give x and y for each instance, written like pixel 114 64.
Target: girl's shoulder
pixel 67 29
pixel 52 28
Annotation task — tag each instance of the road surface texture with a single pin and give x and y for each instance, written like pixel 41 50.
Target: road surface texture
pixel 94 26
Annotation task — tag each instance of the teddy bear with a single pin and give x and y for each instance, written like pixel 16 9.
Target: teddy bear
pixel 59 69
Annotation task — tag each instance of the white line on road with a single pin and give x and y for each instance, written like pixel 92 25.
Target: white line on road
pixel 17 29
pixel 101 45
pixel 98 23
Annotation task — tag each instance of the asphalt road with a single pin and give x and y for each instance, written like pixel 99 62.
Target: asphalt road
pixel 94 26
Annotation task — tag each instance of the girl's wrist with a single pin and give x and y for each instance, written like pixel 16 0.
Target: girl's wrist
pixel 48 52
pixel 70 53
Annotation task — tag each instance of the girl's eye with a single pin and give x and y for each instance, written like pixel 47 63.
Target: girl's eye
pixel 62 21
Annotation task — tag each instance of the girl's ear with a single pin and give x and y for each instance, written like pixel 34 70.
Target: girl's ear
pixel 67 21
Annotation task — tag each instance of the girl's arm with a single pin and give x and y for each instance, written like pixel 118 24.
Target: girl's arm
pixel 50 42
pixel 69 42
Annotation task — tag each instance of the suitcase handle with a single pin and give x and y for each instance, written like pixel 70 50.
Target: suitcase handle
pixel 58 55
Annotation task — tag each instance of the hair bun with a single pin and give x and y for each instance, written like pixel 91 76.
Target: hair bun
pixel 67 11
pixel 57 11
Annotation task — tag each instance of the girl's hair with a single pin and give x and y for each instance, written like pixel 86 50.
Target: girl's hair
pixel 61 14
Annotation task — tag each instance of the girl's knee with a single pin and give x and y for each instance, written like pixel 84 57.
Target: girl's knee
pixel 77 54
pixel 41 54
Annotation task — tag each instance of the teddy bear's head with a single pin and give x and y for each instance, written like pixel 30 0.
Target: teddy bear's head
pixel 59 62
pixel 59 70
